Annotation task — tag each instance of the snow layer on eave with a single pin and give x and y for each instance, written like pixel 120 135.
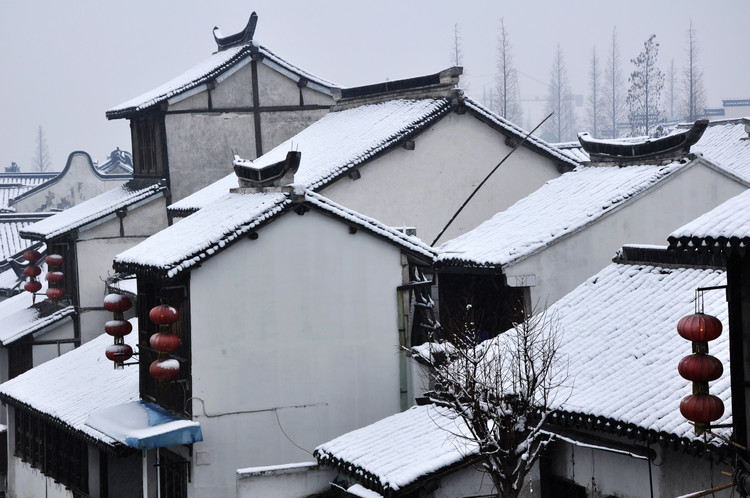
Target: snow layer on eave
pixel 619 339
pixel 729 219
pixel 69 387
pixel 201 234
pixel 560 207
pixel 410 243
pixel 206 195
pixel 404 447
pixel 207 70
pixel 521 133
pixel 90 210
pixel 29 320
pixel 11 242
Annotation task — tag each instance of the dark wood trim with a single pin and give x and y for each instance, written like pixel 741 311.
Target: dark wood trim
pixel 270 108
pixel 256 110
pixel 736 295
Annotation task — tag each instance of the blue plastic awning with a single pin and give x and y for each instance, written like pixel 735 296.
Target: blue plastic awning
pixel 144 426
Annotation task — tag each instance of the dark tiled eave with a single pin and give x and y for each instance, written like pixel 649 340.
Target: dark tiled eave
pixel 727 246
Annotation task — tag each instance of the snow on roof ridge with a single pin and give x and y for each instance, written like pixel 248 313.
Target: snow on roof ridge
pixel 729 219
pixel 520 132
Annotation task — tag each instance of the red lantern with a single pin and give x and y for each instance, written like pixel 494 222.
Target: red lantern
pixel 118 328
pixel 164 369
pixel 54 292
pixel 702 408
pixel 700 368
pixel 118 352
pixel 55 277
pixel 32 271
pixel 699 327
pixel 31 255
pixel 33 286
pixel 163 315
pixel 117 303
pixel 54 260
pixel 164 342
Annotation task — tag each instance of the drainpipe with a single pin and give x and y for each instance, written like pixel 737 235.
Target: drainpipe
pixel 401 296
pixel 144 465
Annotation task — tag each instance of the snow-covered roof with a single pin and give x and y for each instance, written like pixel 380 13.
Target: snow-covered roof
pixel 724 143
pixel 534 142
pixel 95 209
pixel 13 185
pixel 20 318
pixel 209 70
pixel 562 206
pixel 400 450
pixel 724 228
pixel 203 234
pixel 11 225
pixel 619 338
pixel 67 388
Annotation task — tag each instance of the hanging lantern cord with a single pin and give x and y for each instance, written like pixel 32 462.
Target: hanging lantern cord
pixel 699 293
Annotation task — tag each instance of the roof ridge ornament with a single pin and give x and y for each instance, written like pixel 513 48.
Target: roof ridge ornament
pixel 267 178
pixel 671 147
pixel 244 37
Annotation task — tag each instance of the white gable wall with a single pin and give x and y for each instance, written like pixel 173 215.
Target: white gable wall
pixel 424 187
pixel 299 327
pixel 648 219
pixel 78 183
pixel 201 145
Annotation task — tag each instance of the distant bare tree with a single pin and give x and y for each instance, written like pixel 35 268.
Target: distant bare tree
pixel 502 389
pixel 457 56
pixel 644 94
pixel 508 103
pixel 613 89
pixel 594 101
pixel 670 90
pixel 41 161
pixel 693 100
pixel 560 102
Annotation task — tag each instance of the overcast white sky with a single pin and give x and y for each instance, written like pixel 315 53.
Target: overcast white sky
pixel 65 63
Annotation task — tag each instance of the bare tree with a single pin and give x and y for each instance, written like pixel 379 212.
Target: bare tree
pixel 40 161
pixel 594 101
pixel 457 56
pixel 613 89
pixel 693 93
pixel 508 103
pixel 644 94
pixel 559 102
pixel 670 90
pixel 502 389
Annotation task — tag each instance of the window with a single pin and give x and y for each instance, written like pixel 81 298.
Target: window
pixel 148 145
pixel 20 358
pixel 174 473
pixel 171 395
pixel 54 452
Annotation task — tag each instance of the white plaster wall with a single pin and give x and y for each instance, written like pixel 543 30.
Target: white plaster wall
pixel 77 184
pixel 236 90
pixel 464 482
pixel 647 220
pixel 299 326
pixel 423 188
pixel 46 352
pixel 275 89
pixel 279 126
pixel 24 481
pixel 292 482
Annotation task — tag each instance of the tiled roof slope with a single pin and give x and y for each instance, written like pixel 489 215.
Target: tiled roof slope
pixel 11 242
pixel 562 206
pixel 206 71
pixel 67 388
pixel 724 228
pixel 12 185
pixel 211 229
pixel 94 209
pixel 18 322
pixel 622 348
pixel 337 143
pixel 396 451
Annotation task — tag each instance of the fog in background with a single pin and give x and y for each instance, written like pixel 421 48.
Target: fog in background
pixel 65 63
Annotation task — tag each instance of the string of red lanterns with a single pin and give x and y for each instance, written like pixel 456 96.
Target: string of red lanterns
pixel 700 368
pixel 55 277
pixel 118 327
pixel 164 341
pixel 32 271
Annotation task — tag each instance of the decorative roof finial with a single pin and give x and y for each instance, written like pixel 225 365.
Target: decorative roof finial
pixel 242 38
